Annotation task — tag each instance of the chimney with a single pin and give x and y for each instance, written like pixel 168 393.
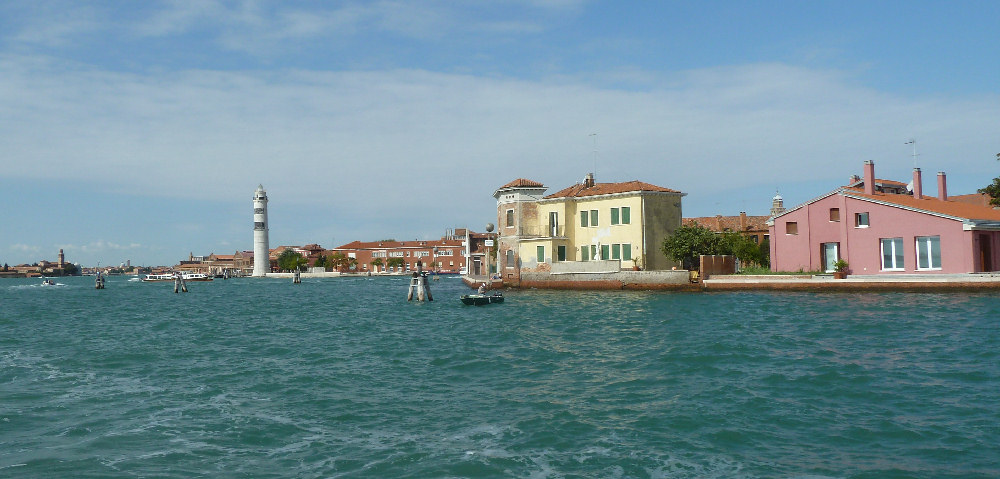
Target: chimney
pixel 853 179
pixel 743 220
pixel 869 177
pixel 718 222
pixel 589 181
pixel 942 187
pixel 918 186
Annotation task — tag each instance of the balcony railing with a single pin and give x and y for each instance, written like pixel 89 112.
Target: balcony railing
pixel 544 231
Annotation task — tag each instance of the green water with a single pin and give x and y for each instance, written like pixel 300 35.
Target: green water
pixel 344 378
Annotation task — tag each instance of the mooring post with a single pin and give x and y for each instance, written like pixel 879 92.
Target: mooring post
pixel 99 281
pixel 296 277
pixel 179 284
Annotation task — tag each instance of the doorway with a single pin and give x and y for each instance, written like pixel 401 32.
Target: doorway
pixel 986 252
pixel 830 255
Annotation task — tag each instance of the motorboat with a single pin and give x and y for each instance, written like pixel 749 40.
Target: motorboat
pixel 48 282
pixel 482 299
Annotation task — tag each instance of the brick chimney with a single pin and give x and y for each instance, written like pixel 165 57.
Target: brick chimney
pixel 918 186
pixel 942 187
pixel 718 222
pixel 869 177
pixel 743 220
pixel 589 181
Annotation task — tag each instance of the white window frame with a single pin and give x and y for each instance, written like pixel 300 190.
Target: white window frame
pixel 857 219
pixel 924 244
pixel 893 244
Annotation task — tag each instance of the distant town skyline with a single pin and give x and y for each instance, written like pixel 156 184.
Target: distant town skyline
pixel 139 130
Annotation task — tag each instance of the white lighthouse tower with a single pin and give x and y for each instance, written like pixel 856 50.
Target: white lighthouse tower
pixel 261 251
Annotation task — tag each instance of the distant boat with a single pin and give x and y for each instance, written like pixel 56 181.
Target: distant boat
pixel 482 299
pixel 48 282
pixel 173 276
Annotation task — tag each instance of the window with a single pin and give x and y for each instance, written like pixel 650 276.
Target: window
pixel 835 215
pixel 928 252
pixel 626 252
pixel 585 253
pixel 561 253
pixel 510 218
pixel 614 215
pixel 621 216
pixel 861 220
pixel 605 251
pixel 540 254
pixel 616 251
pixel 892 254
pixel 510 258
pixel 584 216
pixel 792 228
pixel 593 217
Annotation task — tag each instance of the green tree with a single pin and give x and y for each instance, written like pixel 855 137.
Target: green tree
pixel 689 241
pixel 395 263
pixel 290 260
pixel 377 263
pixel 993 190
pixel 320 262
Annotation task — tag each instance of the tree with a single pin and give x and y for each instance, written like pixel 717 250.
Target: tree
pixel 377 263
pixel 689 241
pixel 337 261
pixel 320 262
pixel 290 260
pixel 395 263
pixel 993 190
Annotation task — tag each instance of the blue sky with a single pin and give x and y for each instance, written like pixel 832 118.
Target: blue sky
pixel 139 130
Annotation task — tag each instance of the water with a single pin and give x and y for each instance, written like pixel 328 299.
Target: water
pixel 344 378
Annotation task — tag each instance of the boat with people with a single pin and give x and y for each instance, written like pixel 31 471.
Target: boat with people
pixel 173 276
pixel 48 282
pixel 482 299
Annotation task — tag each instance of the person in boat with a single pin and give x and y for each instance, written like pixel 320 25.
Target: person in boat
pixel 482 289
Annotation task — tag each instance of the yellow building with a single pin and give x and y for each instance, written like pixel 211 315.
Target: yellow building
pixel 586 228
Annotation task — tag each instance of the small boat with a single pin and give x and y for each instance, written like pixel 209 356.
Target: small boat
pixel 482 299
pixel 48 282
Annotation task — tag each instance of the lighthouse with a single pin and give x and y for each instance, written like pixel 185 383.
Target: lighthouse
pixel 261 252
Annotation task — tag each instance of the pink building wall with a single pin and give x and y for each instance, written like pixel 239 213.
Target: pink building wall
pixel 861 247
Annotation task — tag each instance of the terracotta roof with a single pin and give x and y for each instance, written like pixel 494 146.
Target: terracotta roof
pixel 973 199
pixel 953 208
pixel 581 190
pixel 721 223
pixel 880 181
pixel 415 244
pixel 522 183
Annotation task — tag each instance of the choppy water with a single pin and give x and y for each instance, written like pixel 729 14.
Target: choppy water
pixel 344 378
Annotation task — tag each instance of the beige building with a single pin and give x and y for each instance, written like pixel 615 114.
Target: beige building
pixel 588 227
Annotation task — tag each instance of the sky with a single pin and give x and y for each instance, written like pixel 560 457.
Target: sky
pixel 138 131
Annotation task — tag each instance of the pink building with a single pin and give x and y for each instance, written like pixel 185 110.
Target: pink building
pixel 887 231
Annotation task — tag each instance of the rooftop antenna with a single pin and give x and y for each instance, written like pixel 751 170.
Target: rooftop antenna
pixel 914 143
pixel 594 135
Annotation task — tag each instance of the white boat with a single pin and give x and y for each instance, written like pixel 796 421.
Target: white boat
pixel 173 276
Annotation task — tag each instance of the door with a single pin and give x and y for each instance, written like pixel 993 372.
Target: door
pixel 985 252
pixel 553 224
pixel 829 256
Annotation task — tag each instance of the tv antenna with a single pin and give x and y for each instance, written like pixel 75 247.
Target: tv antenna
pixel 594 136
pixel 914 143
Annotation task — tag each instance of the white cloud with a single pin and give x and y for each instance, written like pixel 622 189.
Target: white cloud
pixel 23 248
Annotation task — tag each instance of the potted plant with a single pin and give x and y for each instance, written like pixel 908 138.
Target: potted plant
pixel 840 269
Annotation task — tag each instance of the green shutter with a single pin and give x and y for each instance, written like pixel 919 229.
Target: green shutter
pixel 616 251
pixel 605 251
pixel 626 215
pixel 614 216
pixel 562 253
pixel 583 219
pixel 593 217
pixel 627 252
pixel 540 251
pixel 584 253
